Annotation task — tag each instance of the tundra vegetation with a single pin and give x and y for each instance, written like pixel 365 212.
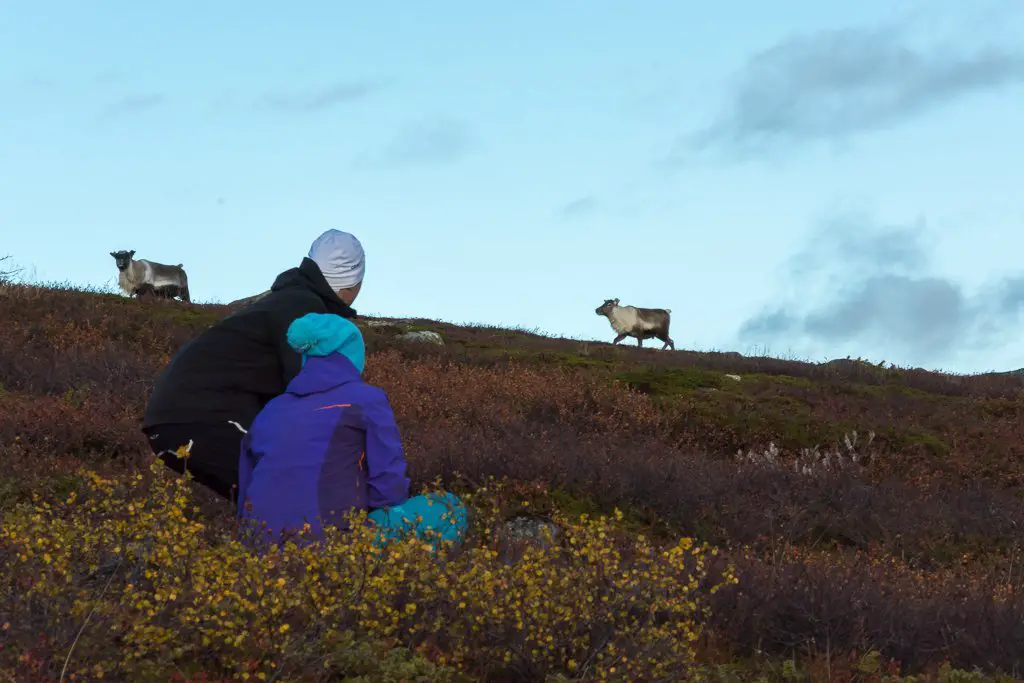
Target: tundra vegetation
pixel 823 522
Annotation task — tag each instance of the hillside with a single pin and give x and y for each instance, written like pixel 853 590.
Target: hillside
pixel 874 516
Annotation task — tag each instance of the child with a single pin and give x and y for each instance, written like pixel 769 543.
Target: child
pixel 329 444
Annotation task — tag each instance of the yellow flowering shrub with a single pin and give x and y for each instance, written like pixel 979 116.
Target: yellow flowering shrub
pixel 125 580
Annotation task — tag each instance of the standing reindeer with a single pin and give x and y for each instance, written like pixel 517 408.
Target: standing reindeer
pixel 640 323
pixel 142 277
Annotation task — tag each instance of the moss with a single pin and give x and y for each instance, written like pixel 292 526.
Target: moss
pixel 930 442
pixel 785 420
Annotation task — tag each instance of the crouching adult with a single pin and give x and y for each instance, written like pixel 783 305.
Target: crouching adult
pixel 330 445
pixel 216 384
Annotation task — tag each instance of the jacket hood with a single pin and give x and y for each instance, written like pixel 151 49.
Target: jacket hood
pixel 308 276
pixel 323 373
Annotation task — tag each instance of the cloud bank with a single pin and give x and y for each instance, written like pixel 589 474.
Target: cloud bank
pixel 837 83
pixel 578 208
pixel 430 141
pixel 132 104
pixel 318 99
pixel 858 281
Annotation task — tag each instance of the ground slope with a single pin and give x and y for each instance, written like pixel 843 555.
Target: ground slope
pixel 867 509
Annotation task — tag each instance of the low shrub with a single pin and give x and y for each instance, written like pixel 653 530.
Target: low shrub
pixel 124 579
pixel 909 546
pixel 813 602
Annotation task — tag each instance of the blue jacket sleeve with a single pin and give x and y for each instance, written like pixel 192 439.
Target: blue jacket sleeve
pixel 385 460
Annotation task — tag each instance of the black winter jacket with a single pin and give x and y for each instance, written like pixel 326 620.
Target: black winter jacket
pixel 232 369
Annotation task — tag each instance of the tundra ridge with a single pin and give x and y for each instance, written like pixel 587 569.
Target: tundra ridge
pixel 873 516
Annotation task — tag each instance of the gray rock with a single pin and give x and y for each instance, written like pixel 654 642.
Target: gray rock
pixel 520 532
pixel 249 299
pixel 425 336
pixel 529 529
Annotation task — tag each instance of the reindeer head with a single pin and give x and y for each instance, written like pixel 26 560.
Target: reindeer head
pixel 607 307
pixel 123 258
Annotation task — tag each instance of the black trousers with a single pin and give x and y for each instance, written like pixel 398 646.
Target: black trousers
pixel 213 458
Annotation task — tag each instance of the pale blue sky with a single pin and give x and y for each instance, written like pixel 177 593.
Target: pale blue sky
pixel 821 179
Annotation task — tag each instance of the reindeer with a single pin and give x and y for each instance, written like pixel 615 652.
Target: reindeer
pixel 141 277
pixel 640 323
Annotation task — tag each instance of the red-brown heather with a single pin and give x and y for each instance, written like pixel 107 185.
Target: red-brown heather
pixel 899 554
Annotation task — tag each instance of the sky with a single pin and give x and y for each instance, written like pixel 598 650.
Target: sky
pixel 800 179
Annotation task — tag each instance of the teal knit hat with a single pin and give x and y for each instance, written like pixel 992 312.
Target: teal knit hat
pixel 321 334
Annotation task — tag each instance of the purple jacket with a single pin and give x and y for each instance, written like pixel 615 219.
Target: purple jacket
pixel 327 445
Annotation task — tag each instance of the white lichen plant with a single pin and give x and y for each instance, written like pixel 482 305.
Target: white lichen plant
pixel 849 454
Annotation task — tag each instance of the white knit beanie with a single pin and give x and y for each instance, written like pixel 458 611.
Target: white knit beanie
pixel 340 257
